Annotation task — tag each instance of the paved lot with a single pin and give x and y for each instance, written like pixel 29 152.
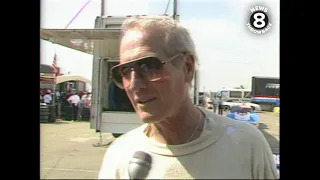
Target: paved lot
pixel 67 150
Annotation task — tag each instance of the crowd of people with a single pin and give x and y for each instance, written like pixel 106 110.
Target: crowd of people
pixel 79 101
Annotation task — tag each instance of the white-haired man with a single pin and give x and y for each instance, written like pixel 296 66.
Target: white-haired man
pixel 157 65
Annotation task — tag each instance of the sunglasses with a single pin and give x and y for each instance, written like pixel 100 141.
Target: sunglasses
pixel 147 68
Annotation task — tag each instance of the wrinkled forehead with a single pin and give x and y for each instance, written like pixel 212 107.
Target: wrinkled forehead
pixel 136 44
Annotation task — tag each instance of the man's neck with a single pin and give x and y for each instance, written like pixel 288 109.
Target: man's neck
pixel 185 126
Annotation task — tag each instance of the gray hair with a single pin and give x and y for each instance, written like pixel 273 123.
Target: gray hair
pixel 176 39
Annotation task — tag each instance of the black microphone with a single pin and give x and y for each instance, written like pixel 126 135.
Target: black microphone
pixel 139 165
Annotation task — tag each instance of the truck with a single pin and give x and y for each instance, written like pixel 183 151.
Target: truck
pixel 265 91
pixel 111 110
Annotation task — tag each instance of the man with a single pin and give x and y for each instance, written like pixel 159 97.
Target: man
pixel 220 106
pixel 58 95
pixel 215 103
pixel 83 98
pixel 58 103
pixel 74 101
pixel 88 101
pixel 69 93
pixel 47 98
pixel 41 96
pixel 157 65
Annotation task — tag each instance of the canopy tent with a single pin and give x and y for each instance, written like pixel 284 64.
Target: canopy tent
pixel 65 78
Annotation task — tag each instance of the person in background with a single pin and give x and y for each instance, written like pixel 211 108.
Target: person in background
pixel 58 95
pixel 180 140
pixel 86 112
pixel 88 100
pixel 58 104
pixel 215 103
pixel 220 105
pixel 82 102
pixel 41 97
pixel 69 93
pixel 74 100
pixel 81 93
pixel 47 98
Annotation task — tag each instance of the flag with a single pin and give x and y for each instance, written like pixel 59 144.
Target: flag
pixel 54 64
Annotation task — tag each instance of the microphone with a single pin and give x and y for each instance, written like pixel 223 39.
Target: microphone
pixel 139 165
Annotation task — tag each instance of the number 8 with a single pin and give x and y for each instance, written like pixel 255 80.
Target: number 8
pixel 261 20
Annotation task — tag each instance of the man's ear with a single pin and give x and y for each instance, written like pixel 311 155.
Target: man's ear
pixel 189 67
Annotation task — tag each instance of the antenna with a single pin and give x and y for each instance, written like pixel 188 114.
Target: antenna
pixel 102 8
pixel 175 10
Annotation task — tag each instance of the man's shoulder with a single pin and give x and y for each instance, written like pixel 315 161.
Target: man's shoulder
pixel 243 131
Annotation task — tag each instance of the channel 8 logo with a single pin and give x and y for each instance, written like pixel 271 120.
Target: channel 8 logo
pixel 259 22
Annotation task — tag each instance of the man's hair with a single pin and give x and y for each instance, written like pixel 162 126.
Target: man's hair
pixel 176 39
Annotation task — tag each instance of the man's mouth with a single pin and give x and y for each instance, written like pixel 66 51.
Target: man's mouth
pixel 146 101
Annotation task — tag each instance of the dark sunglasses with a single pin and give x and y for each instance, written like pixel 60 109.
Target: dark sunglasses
pixel 147 68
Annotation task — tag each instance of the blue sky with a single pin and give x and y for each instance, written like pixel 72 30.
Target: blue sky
pixel 229 54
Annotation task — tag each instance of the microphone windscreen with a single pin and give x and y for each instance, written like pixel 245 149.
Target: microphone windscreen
pixel 142 156
pixel 139 165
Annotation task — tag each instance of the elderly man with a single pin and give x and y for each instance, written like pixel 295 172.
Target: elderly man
pixel 179 140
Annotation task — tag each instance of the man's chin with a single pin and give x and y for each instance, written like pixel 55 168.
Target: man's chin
pixel 146 117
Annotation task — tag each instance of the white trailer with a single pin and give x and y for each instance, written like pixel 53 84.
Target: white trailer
pixel 111 110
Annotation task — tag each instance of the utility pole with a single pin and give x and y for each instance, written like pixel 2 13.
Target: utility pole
pixel 103 8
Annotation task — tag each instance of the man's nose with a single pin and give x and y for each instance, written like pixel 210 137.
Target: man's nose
pixel 136 81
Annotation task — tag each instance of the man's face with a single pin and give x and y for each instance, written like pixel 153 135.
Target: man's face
pixel 152 100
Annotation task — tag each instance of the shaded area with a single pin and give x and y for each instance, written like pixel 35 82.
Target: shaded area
pixel 271 138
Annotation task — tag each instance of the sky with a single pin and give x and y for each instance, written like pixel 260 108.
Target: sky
pixel 229 54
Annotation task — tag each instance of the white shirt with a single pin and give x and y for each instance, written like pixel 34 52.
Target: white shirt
pixel 47 98
pixel 83 99
pixel 74 99
pixel 226 149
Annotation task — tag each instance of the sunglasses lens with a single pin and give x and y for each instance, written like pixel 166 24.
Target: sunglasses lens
pixel 116 77
pixel 147 68
pixel 150 68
